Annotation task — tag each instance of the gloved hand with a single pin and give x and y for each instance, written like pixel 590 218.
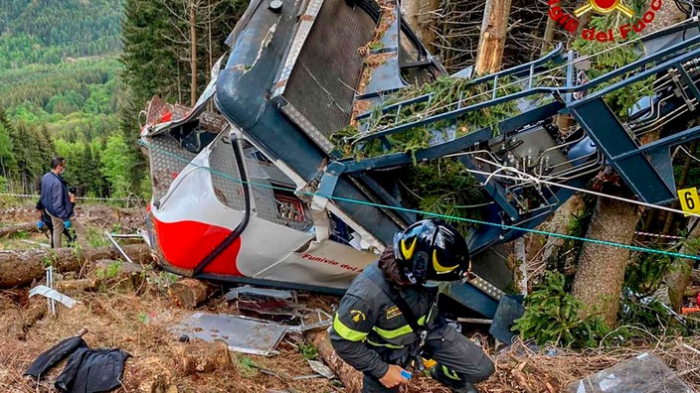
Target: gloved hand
pixel 66 224
pixel 40 225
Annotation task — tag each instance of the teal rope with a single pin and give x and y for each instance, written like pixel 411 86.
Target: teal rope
pixel 430 214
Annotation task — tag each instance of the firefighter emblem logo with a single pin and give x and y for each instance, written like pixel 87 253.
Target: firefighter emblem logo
pixel 604 7
pixel 357 316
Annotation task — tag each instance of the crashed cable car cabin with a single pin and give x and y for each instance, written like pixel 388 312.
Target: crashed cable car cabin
pixel 260 194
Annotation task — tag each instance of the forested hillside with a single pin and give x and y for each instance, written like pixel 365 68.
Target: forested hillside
pixel 74 74
pixel 48 31
pixel 58 92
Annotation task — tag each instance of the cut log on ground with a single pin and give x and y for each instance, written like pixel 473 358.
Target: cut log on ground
pixel 203 357
pixel 351 378
pixel 120 276
pixel 68 287
pixel 15 229
pixel 20 267
pixel 189 292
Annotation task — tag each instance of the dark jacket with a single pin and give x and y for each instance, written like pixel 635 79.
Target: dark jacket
pixel 44 215
pixel 54 196
pixel 369 331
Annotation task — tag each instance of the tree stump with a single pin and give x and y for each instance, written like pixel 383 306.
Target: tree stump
pixel 189 292
pixel 203 357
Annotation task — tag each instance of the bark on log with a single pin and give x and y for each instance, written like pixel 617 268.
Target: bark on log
pixel 14 229
pixel 542 248
pixel 189 292
pixel 492 40
pixel 351 378
pixel 601 269
pixel 678 277
pixel 20 267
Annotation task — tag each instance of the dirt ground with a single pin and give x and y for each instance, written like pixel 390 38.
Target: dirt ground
pixel 134 314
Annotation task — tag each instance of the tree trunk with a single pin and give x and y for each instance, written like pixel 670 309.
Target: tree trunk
pixel 14 229
pixel 193 54
pixel 210 104
pixel 489 53
pixel 417 14
pixel 601 269
pixel 548 36
pixel 678 277
pixel 541 248
pixel 351 378
pixel 21 267
pixel 203 357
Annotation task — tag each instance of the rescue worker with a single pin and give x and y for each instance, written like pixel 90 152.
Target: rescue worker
pixel 46 224
pixel 374 330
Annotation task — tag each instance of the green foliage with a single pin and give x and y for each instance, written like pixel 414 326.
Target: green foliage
pixel 444 187
pixel 48 31
pixel 440 186
pixel 621 100
pixel 109 272
pixel 117 166
pixel 308 351
pixel 647 272
pixel 155 62
pixel 551 316
pixel 246 366
pixel 96 238
pixel 445 91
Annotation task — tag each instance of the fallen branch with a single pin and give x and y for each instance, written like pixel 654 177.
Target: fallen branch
pixel 21 267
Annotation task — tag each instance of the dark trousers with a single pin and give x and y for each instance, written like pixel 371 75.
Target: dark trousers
pixel 458 361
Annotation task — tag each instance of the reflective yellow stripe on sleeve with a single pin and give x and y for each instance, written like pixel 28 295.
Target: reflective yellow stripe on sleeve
pixel 392 346
pixel 389 334
pixel 345 332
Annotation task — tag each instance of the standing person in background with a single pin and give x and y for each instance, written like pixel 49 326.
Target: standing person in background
pixel 57 202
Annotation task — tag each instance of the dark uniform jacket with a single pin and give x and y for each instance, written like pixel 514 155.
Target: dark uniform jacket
pixel 54 196
pixel 369 331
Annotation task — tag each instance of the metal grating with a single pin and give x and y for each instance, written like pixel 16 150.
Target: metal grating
pixel 223 164
pixel 329 66
pixel 166 166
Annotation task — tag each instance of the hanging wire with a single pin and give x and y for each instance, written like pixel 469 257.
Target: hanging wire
pixel 420 212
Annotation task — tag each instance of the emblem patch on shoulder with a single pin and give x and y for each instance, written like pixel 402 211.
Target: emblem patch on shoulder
pixel 357 316
pixel 392 312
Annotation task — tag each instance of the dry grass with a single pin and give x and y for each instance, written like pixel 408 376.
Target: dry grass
pixel 136 320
